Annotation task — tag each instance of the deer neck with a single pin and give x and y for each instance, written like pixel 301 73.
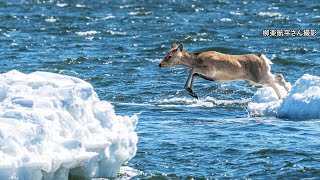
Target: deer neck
pixel 187 59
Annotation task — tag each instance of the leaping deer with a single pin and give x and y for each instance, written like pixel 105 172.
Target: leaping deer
pixel 215 66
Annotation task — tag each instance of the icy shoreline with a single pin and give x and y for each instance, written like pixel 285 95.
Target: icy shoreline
pixel 52 125
pixel 302 102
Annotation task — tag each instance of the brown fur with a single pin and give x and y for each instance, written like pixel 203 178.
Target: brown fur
pixel 216 66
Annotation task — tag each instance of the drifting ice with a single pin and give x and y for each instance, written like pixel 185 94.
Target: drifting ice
pixel 302 102
pixel 53 125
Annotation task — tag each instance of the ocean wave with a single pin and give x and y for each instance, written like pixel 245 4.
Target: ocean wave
pixel 205 102
pixel 118 33
pixel 302 102
pixel 61 5
pixel 110 16
pixel 188 102
pixel 51 20
pixel 140 13
pixel 225 19
pixel 236 13
pixel 158 60
pixel 80 6
pixel 127 173
pixel 87 33
pixel 269 14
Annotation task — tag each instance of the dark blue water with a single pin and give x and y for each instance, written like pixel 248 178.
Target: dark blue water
pixel 117 46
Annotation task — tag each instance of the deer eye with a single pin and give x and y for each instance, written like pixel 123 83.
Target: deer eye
pixel 169 57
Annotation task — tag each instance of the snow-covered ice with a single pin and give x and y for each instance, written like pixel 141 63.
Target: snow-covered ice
pixel 54 125
pixel 302 102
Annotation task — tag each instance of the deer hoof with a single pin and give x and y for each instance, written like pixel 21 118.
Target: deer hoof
pixel 193 95
pixel 191 92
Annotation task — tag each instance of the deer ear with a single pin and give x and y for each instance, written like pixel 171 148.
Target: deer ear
pixel 174 45
pixel 180 48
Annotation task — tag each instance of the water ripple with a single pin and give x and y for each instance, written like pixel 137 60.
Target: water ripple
pixel 117 46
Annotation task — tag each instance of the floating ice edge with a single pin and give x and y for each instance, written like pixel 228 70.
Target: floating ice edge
pixel 53 125
pixel 302 102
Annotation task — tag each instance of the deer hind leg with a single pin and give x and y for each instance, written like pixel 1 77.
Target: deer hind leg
pixel 280 80
pixel 269 80
pixel 189 84
pixel 273 85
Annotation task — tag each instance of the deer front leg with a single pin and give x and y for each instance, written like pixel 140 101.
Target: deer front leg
pixel 189 84
pixel 280 80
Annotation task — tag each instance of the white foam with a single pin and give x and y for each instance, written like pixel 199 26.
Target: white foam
pixel 61 5
pixel 225 19
pixel 87 33
pixel 116 33
pixel 235 13
pixel 227 102
pixel 110 16
pixel 302 102
pixel 269 14
pixel 80 6
pixel 127 173
pixel 157 60
pixel 139 13
pixel 51 19
pixel 52 125
pixel 187 102
pixel 202 102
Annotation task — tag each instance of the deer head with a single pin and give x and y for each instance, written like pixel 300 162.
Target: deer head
pixel 172 58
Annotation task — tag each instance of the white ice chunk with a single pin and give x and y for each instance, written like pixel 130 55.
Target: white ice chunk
pixel 302 102
pixel 54 125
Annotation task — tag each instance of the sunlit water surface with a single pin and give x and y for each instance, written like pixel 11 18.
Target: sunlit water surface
pixel 117 46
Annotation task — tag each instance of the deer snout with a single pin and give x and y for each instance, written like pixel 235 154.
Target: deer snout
pixel 160 65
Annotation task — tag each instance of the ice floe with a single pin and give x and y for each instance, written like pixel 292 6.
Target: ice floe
pixel 302 102
pixel 54 125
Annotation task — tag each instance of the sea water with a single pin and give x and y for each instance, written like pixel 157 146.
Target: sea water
pixel 116 46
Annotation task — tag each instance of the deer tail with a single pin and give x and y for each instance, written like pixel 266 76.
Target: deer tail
pixel 262 56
